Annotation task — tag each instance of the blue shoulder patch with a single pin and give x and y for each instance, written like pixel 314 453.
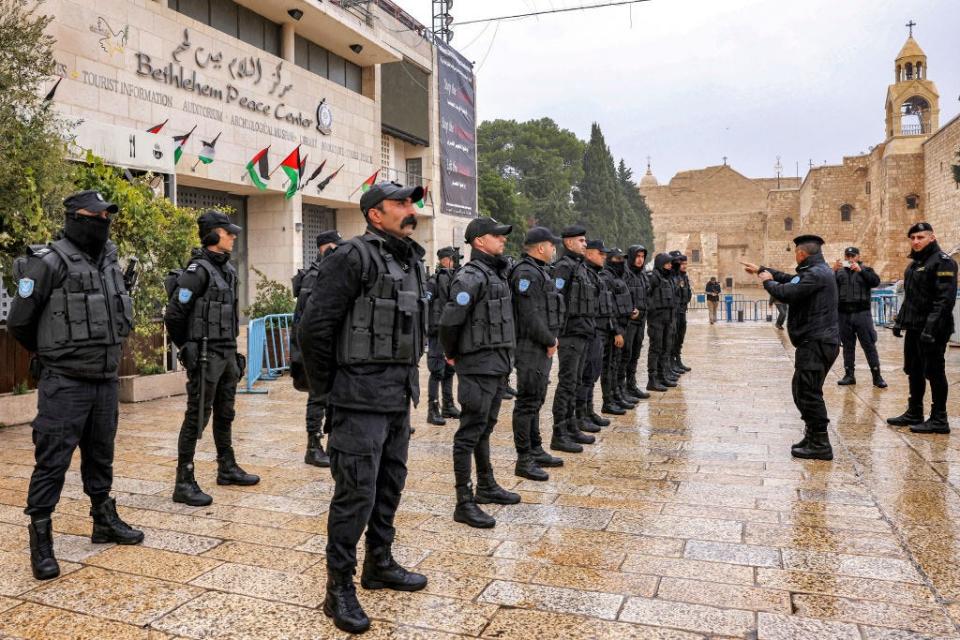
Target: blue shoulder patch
pixel 795 280
pixel 25 287
pixel 560 282
pixel 463 298
pixel 184 295
pixel 429 295
pixel 523 285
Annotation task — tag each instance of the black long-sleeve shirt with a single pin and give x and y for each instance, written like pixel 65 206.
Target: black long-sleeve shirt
pixel 812 296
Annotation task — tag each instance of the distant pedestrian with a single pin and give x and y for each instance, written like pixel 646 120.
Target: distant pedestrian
pixel 781 311
pixel 713 298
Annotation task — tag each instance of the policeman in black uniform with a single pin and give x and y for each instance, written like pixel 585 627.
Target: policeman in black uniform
pixel 660 318
pixel 478 335
pixel 581 292
pixel 930 288
pixel 622 310
pixel 813 330
pixel 595 258
pixel 636 278
pixel 203 320
pixel 537 301
pixel 685 294
pixel 73 311
pixel 441 372
pixel 854 282
pixel 362 341
pixel 304 283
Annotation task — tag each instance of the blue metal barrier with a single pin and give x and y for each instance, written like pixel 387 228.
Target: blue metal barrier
pixel 883 308
pixel 268 349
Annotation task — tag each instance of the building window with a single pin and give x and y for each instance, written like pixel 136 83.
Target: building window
pixel 913 201
pixel 414 172
pixel 326 64
pixel 234 20
pixel 788 224
pixel 386 152
pixel 846 213
pixel 868 187
pixel 695 255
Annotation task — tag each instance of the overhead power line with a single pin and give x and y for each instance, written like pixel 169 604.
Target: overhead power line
pixel 518 16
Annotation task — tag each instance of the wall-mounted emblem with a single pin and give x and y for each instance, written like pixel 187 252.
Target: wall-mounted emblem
pixel 324 118
pixel 111 41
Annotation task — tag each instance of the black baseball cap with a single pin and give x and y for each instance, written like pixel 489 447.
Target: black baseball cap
pixel 92 201
pixel 615 252
pixel 448 252
pixel 677 256
pixel 574 231
pixel 483 226
pixel 809 237
pixel 388 191
pixel 540 234
pixel 598 245
pixel 851 251
pixel 920 226
pixel 328 236
pixel 212 219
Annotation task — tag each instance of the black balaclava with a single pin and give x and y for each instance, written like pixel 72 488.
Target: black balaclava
pixel 89 233
pixel 616 265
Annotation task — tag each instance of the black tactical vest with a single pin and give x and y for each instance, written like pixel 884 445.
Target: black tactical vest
pixel 853 291
pixel 441 287
pixel 584 295
pixel 214 315
pixel 490 322
pixel 90 306
pixel 555 306
pixel 662 296
pixel 388 320
pixel 637 283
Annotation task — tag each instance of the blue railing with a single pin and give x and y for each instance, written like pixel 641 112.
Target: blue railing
pixel 883 307
pixel 268 349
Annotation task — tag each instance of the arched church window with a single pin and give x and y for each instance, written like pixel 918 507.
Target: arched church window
pixel 913 201
pixel 919 71
pixel 788 224
pixel 909 71
pixel 846 213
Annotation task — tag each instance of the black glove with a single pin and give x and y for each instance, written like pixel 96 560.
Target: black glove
pixel 897 332
pixel 241 363
pixel 927 337
pixel 189 355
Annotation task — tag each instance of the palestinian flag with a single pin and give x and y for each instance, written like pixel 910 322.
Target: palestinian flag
pixel 259 169
pixel 157 127
pixel 209 150
pixel 323 183
pixel 303 168
pixel 291 167
pixel 181 143
pixel 369 182
pixel 420 202
pixel 313 176
pixel 53 91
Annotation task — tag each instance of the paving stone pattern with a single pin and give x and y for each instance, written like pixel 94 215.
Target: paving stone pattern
pixel 688 519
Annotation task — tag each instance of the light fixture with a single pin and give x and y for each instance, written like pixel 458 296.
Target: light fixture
pixel 296 14
pixel 356 48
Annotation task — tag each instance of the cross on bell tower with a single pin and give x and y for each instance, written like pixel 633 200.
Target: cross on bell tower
pixel 910 25
pixel 912 104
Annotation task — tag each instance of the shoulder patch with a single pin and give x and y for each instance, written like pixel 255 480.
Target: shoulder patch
pixel 795 280
pixel 560 282
pixel 946 274
pixel 523 285
pixel 193 267
pixel 25 287
pixel 184 295
pixel 429 295
pixel 463 298
pixel 39 252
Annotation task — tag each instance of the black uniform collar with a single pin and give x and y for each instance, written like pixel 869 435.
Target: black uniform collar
pixel 498 263
pixel 576 257
pixel 926 252
pixel 593 266
pixel 809 261
pixel 218 259
pixel 536 261
pixel 403 249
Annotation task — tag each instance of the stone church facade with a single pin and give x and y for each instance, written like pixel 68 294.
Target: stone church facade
pixel 718 216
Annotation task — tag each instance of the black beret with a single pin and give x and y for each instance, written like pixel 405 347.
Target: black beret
pixel 448 252
pixel 540 234
pixel 328 236
pixel 809 237
pixel 598 245
pixel 920 226
pixel 574 231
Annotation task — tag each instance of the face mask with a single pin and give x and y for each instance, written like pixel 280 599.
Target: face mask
pixel 87 232
pixel 616 267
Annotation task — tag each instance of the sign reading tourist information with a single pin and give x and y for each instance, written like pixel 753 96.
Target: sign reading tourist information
pixel 458 133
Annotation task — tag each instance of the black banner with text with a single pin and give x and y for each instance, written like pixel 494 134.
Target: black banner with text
pixel 458 133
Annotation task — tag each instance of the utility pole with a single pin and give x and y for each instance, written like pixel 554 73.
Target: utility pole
pixel 442 20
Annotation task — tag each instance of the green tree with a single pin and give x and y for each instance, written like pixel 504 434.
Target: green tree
pixel 638 227
pixel 34 173
pixel 499 199
pixel 598 199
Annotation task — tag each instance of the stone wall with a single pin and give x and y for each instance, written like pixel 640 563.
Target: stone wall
pixel 941 190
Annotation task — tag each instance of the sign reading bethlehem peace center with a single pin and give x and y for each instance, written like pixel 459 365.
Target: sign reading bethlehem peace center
pixel 458 133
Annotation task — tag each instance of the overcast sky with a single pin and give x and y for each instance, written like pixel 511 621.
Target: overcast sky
pixel 690 81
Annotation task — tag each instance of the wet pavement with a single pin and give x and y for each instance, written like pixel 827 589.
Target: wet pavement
pixel 687 519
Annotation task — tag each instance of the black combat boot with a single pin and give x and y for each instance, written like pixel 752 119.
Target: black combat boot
pixel 467 511
pixel 527 468
pixel 817 447
pixel 433 414
pixel 544 459
pixel 509 393
pixel 682 366
pixel 878 380
pixel 450 410
pixel 653 384
pixel 938 423
pixel 848 377
pixel 108 527
pixel 627 395
pixel 381 571
pixel 315 454
pixel 574 433
pixel 42 560
pixel 913 415
pixel 489 492
pixel 229 472
pixel 667 380
pixel 186 490
pixel 595 417
pixel 611 407
pixel 624 402
pixel 562 442
pixel 636 391
pixel 342 605
pixel 584 423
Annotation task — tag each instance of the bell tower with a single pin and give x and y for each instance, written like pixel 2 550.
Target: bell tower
pixel 913 104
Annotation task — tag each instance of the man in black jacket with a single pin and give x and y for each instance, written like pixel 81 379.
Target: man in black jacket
pixel 813 330
pixel 622 311
pixel 304 283
pixel 854 282
pixel 930 288
pixel 661 313
pixel 684 295
pixel 636 278
pixel 362 341
pixel 441 372
pixel 537 301
pixel 713 298
pixel 77 397
pixel 478 335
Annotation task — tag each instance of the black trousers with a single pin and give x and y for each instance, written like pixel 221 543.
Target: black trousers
pixel 812 361
pixel 72 413
pixel 592 369
pixel 368 459
pixel 316 412
pixel 533 376
pixel 858 326
pixel 610 369
pixel 679 334
pixel 660 332
pixel 924 361
pixel 441 373
pixel 220 391
pixel 632 344
pixel 573 356
pixel 781 314
pixel 480 397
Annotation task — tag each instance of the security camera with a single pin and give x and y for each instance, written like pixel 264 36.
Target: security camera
pixel 356 48
pixel 296 14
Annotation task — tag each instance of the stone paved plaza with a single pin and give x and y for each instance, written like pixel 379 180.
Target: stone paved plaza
pixel 687 519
